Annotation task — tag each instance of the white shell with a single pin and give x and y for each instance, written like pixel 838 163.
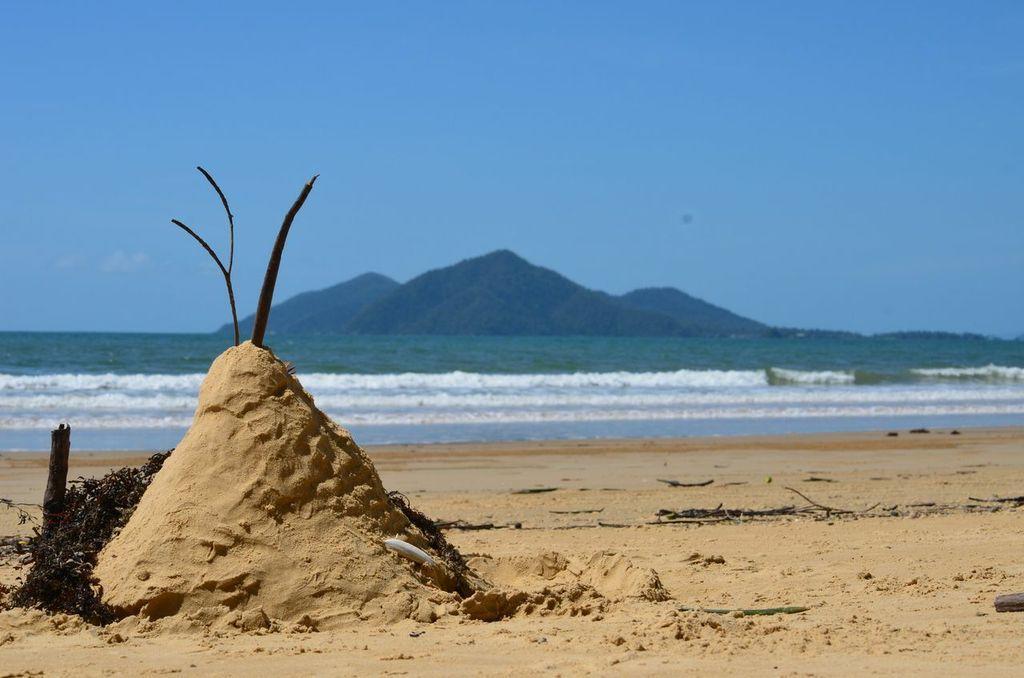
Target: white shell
pixel 407 550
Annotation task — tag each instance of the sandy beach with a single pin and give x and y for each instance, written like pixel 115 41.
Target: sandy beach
pixel 906 587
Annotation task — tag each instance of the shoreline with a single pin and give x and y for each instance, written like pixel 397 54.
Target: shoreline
pixel 581 445
pixel 84 439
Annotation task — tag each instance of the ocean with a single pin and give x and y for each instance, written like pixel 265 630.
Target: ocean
pixel 138 391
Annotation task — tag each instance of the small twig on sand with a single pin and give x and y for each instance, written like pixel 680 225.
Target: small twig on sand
pixel 724 513
pixel 578 511
pixel 689 521
pixel 747 612
pixel 676 483
pixel 827 509
pixel 1000 500
pixel 535 490
pixel 19 508
pixel 463 525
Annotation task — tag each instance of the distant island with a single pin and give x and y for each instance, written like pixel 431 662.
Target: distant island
pixel 503 294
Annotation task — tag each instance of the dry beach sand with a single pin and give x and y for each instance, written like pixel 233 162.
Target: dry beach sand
pixel 887 595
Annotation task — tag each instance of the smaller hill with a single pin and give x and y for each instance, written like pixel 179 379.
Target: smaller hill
pixel 325 311
pixel 695 317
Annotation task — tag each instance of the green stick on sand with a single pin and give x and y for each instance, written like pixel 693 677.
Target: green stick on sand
pixel 748 612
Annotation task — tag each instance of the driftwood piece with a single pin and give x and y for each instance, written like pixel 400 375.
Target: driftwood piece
pixel 829 510
pixel 259 324
pixel 463 525
pixel 747 612
pixel 57 477
pixel 677 483
pixel 1000 500
pixel 699 514
pixel 1011 602
pixel 535 490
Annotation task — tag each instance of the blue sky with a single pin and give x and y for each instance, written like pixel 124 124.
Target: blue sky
pixel 848 165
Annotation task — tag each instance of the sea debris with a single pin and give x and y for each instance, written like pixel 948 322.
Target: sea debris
pixel 64 553
pixel 410 552
pixel 21 509
pixel 747 612
pixel 448 554
pixel 677 483
pixel 1016 501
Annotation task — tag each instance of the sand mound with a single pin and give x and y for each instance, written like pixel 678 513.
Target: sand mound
pixel 553 584
pixel 610 574
pixel 268 505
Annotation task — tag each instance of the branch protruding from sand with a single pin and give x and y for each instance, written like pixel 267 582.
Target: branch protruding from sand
pixel 225 270
pixel 57 476
pixel 259 325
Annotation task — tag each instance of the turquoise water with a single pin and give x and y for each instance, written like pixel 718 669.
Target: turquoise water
pixel 138 390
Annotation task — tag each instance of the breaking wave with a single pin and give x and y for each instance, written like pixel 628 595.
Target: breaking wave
pixel 985 373
pixel 150 401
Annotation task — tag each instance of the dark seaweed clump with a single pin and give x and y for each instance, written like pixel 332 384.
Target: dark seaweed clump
pixel 449 555
pixel 64 553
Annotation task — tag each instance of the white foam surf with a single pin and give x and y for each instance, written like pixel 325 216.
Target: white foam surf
pixel 147 401
pixel 985 373
pixel 824 377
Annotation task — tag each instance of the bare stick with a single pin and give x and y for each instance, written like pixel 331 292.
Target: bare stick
pixel 259 325
pixel 1000 500
pixel 225 272
pixel 677 483
pixel 231 217
pixel 202 242
pixel 748 612
pixel 19 508
pixel 231 251
pixel 535 490
pixel 57 478
pixel 826 509
pixel 830 510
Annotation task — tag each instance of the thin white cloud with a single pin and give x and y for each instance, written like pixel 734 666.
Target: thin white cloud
pixel 67 262
pixel 124 262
